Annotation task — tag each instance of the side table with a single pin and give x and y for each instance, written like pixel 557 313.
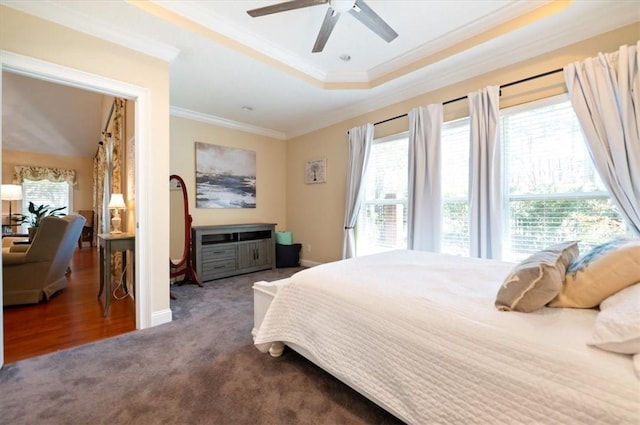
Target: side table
pixel 110 243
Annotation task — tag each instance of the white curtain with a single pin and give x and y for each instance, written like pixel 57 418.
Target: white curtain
pixel 424 218
pixel 360 141
pixel 605 94
pixel 485 183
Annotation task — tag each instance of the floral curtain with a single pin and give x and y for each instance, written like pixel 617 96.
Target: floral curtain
pixel 118 137
pixel 99 162
pixel 107 176
pixel 30 172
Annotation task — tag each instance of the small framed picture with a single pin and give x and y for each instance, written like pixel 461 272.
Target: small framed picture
pixel 316 171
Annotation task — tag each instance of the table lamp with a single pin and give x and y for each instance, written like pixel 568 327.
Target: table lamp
pixel 10 192
pixel 116 203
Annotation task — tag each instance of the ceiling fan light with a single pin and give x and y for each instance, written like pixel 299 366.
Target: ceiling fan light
pixel 342 6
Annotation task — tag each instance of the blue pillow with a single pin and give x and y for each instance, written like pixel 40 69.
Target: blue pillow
pixel 596 252
pixel 600 273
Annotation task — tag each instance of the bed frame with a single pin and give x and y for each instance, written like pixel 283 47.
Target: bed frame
pixel 263 294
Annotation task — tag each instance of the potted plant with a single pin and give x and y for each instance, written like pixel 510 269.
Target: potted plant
pixel 37 213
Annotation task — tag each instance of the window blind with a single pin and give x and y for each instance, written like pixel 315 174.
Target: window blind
pixel 54 194
pixel 382 222
pixel 455 187
pixel 554 193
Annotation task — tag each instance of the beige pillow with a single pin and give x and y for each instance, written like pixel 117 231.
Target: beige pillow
pixel 600 273
pixel 537 280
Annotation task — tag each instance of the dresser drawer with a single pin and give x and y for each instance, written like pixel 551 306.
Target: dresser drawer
pixel 218 253
pixel 213 269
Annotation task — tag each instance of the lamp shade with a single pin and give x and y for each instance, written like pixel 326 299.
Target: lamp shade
pixel 11 192
pixel 116 201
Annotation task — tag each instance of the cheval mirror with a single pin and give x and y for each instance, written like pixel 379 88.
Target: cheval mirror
pixel 180 263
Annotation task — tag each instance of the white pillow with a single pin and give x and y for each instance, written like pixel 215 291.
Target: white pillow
pixel 636 364
pixel 617 326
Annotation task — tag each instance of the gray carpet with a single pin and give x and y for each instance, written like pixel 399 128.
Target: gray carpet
pixel 199 369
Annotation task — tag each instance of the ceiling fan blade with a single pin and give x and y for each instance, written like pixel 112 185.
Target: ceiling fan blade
pixel 329 22
pixel 282 7
pixel 367 16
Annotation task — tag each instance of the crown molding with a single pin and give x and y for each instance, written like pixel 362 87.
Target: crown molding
pixel 441 74
pixel 223 122
pixel 58 13
pixel 364 78
pixel 213 22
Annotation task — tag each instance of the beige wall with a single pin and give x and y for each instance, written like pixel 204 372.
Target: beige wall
pixel 35 38
pixel 82 194
pixel 270 175
pixel 315 213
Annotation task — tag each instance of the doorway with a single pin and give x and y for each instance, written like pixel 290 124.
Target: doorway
pixel 59 127
pixel 62 75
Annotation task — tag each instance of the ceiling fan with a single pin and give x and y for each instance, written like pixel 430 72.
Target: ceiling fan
pixel 357 8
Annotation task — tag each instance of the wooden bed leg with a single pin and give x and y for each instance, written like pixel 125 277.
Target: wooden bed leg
pixel 276 349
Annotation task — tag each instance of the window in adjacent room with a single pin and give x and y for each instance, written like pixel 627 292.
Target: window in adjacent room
pixel 382 222
pixel 455 187
pixel 54 194
pixel 553 192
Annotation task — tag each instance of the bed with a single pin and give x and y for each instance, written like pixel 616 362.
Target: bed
pixel 418 334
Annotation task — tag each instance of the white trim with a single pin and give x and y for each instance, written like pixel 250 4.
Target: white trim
pixel 70 18
pixel 223 122
pixel 309 263
pixel 348 77
pixel 59 74
pixel 161 317
pixel 143 159
pixel 144 154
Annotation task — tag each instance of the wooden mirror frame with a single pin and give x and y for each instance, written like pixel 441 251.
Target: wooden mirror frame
pixel 185 265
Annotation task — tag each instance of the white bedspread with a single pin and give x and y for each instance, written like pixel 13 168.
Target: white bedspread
pixel 419 334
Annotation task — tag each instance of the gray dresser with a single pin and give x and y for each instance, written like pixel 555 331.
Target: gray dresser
pixel 232 249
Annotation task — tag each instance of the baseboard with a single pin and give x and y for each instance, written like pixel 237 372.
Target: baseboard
pixel 161 317
pixel 309 263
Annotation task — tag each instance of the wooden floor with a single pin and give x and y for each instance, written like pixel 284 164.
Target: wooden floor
pixel 71 318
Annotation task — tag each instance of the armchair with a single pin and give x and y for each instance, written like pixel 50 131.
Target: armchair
pixel 34 272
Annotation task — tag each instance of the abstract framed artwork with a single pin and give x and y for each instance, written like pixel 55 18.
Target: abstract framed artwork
pixel 316 171
pixel 225 177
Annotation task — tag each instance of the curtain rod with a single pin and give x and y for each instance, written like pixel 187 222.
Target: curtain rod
pixel 106 126
pixel 457 99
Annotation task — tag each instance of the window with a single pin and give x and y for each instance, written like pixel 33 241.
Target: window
pixel 54 194
pixel 382 222
pixel 455 187
pixel 553 191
